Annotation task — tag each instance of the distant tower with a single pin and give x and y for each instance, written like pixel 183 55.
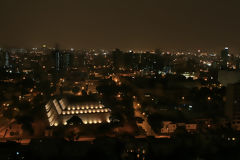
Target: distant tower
pixel 44 48
pixel 57 56
pixel 6 59
pixel 224 58
pixel 63 60
pixel 117 58
pixel 67 60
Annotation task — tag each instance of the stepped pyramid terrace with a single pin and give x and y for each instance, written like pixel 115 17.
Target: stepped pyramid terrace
pixel 61 111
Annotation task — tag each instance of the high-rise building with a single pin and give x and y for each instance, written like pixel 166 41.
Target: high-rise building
pixel 67 60
pixel 63 60
pixel 232 110
pixel 224 58
pixel 58 57
pixel 7 60
pixel 118 59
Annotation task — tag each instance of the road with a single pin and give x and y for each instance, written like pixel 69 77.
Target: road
pixel 145 125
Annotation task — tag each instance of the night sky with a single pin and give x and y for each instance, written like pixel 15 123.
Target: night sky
pixel 126 24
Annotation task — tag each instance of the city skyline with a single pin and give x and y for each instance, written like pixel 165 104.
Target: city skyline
pixel 119 80
pixel 142 25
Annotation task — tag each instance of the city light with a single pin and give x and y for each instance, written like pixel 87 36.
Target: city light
pixel 118 80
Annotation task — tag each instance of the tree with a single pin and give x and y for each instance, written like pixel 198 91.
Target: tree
pixel 26 122
pixel 75 89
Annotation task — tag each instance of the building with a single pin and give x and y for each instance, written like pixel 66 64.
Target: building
pixel 224 58
pixel 232 110
pixel 57 57
pixel 63 60
pixel 7 60
pixel 237 63
pixel 228 77
pixel 88 85
pixel 169 127
pixel 60 111
pixel 191 127
pixel 67 60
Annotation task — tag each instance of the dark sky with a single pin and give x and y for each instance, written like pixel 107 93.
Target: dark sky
pixel 126 24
